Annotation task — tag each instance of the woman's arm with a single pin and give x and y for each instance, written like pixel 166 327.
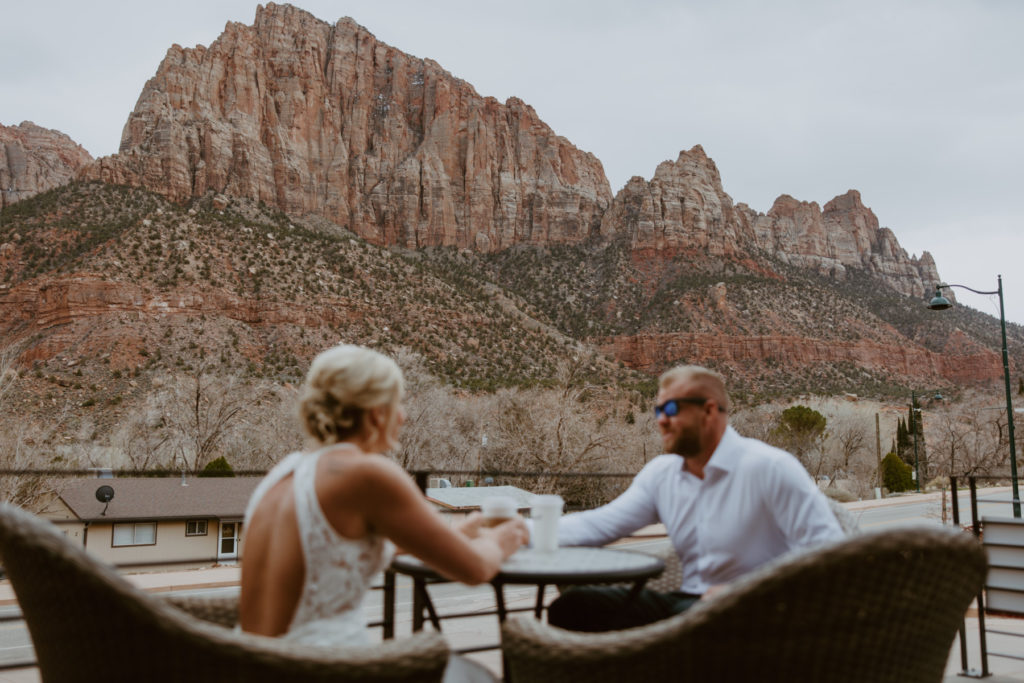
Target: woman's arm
pixel 394 507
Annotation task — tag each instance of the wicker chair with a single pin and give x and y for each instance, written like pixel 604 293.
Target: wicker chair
pixel 876 607
pixel 88 623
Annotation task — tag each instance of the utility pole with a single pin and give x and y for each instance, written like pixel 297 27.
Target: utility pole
pixel 878 454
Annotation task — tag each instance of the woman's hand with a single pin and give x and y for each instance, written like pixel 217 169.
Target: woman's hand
pixel 509 536
pixel 470 526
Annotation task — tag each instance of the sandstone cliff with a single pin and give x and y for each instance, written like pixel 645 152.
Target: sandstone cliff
pixel 684 209
pixel 322 119
pixel 34 159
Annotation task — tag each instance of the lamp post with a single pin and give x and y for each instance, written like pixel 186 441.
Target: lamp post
pixel 941 303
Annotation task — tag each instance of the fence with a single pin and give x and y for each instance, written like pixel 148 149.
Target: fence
pixel 1003 538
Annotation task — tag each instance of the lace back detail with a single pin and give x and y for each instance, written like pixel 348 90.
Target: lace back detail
pixel 338 569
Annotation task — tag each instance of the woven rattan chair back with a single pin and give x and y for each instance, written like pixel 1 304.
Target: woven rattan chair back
pixel 88 624
pixel 879 607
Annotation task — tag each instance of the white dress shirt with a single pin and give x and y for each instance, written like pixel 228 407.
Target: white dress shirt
pixel 755 503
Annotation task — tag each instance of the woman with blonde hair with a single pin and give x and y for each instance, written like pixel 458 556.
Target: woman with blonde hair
pixel 322 522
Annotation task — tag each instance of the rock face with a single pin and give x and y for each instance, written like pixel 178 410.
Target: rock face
pixel 34 160
pixel 315 118
pixel 326 120
pixel 844 234
pixel 684 209
pixel 962 362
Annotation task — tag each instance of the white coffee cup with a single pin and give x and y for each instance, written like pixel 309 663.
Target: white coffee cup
pixel 498 509
pixel 545 513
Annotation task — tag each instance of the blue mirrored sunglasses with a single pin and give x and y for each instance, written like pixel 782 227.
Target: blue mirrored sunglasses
pixel 670 408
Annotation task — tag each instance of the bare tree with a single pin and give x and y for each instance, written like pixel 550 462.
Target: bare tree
pixel 267 432
pixel 851 462
pixel 141 439
pixel 973 439
pixel 199 411
pixel 444 430
pixel 23 448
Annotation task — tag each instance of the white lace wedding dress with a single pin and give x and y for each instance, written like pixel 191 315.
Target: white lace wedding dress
pixel 338 569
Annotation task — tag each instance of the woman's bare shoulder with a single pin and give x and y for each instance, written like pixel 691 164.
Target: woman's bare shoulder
pixel 356 468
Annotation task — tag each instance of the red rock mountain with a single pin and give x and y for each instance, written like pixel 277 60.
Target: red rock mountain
pixel 34 159
pixel 324 119
pixel 684 209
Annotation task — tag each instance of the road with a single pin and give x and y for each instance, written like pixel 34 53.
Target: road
pixel 929 511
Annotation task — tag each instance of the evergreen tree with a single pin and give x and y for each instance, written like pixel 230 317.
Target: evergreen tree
pixel 904 442
pixel 896 475
pixel 219 467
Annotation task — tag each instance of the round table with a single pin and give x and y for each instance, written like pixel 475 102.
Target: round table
pixel 565 566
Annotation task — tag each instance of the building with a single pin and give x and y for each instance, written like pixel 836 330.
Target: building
pixel 457 503
pixel 165 521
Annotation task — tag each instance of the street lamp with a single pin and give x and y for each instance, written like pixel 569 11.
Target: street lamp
pixel 915 413
pixel 941 303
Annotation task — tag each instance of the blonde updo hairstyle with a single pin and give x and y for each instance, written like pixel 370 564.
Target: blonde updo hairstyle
pixel 342 385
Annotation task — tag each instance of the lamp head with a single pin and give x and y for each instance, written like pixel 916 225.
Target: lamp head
pixel 939 302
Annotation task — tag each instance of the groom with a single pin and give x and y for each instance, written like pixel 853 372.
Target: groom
pixel 728 503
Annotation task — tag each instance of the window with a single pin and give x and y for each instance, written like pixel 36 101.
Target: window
pixel 139 533
pixel 195 527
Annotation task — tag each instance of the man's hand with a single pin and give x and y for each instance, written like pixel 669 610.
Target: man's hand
pixel 712 590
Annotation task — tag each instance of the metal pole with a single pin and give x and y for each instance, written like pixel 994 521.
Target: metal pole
pixel 1009 405
pixel 913 418
pixel 878 453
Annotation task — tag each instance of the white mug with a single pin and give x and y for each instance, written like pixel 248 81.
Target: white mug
pixel 545 513
pixel 498 509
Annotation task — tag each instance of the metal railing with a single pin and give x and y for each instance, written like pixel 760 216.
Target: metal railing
pixel 977 528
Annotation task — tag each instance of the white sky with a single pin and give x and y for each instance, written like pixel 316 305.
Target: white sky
pixel 918 104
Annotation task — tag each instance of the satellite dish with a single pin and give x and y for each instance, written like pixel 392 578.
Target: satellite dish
pixel 105 494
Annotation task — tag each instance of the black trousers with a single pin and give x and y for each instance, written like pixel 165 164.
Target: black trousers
pixel 610 608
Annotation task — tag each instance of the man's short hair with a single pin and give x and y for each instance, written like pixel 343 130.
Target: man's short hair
pixel 711 383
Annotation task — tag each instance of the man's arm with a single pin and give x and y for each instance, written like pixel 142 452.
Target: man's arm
pixel 632 510
pixel 799 507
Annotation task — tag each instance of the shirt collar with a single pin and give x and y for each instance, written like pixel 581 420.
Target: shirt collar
pixel 727 454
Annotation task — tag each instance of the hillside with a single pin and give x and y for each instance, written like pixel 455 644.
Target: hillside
pixel 104 286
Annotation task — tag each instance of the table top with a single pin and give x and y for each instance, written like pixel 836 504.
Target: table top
pixel 564 566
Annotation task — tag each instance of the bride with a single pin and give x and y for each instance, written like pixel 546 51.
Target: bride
pixel 323 521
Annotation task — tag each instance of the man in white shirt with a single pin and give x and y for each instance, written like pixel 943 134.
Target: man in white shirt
pixel 728 503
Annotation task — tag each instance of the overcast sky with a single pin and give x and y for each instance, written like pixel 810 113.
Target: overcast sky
pixel 918 104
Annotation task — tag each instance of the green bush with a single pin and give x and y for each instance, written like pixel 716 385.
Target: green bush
pixel 896 474
pixel 217 468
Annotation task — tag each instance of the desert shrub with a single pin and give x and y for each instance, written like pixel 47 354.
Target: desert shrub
pixel 896 475
pixel 218 467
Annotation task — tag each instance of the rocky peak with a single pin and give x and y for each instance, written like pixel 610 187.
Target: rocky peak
pixel 35 159
pixel 325 119
pixel 684 208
